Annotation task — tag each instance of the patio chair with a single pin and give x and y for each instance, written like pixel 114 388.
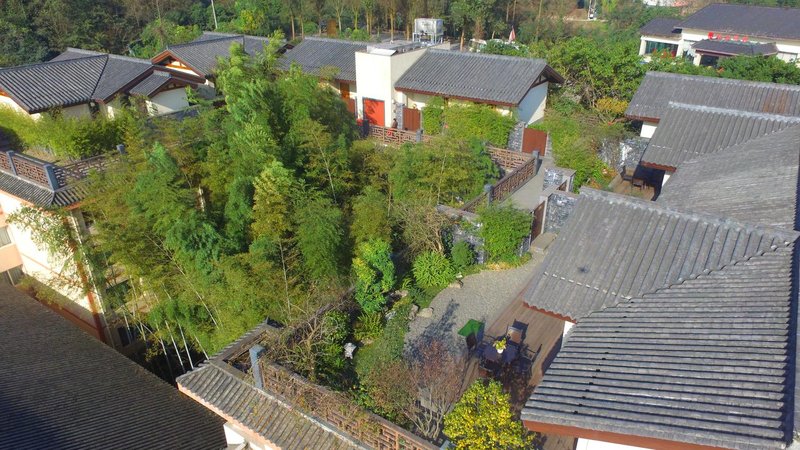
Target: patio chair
pixel 516 332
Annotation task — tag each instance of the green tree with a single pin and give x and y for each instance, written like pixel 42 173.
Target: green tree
pixel 482 420
pixel 374 273
pixel 370 217
pixel 319 234
pixel 503 228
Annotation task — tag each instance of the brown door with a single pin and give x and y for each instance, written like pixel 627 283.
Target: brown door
pixel 534 140
pixel 351 105
pixel 374 112
pixel 411 119
pixel 344 88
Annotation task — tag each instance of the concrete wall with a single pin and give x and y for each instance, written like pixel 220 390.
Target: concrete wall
pixel 167 102
pixel 589 444
pixel 376 75
pixel 110 109
pixel 531 108
pixel 77 111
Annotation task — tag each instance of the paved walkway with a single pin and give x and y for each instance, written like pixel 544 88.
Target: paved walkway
pixel 483 297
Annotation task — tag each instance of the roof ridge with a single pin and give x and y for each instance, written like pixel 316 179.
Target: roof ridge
pixel 786 235
pixel 201 42
pixel 731 112
pixel 51 62
pixel 486 55
pixel 342 41
pixel 99 77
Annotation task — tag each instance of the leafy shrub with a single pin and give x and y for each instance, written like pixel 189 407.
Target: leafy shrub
pixel 479 121
pixel 432 269
pixel 369 326
pixel 502 229
pixel 433 116
pixel 462 256
pixel 612 106
pixel 374 274
pixel 370 217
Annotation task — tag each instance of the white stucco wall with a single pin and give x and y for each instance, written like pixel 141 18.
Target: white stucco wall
pixel 167 102
pixel 7 102
pixel 589 444
pixel 37 262
pixel 531 108
pixel 376 75
pixel 567 326
pixel 110 109
pixel 77 111
pixel 648 128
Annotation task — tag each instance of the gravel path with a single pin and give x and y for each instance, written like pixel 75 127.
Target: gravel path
pixel 483 297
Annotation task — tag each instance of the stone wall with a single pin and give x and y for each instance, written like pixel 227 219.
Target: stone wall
pixel 560 205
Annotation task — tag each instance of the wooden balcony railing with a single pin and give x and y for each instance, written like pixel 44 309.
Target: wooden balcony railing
pixel 336 409
pixel 505 186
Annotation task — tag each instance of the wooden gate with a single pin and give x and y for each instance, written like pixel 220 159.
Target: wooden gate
pixel 411 119
pixel 538 221
pixel 534 140
pixel 374 112
pixel 351 105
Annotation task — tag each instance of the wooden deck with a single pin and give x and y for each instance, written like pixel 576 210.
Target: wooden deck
pixel 544 335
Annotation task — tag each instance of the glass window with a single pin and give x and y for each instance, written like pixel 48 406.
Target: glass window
pixel 658 47
pixel 12 276
pixel 5 239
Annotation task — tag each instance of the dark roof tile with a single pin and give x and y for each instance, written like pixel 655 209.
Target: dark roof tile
pixel 687 132
pixel 202 53
pixel 755 181
pixel 314 55
pixel 661 27
pixel 749 20
pixel 475 76
pixel 730 48
pixel 64 389
pixel 658 89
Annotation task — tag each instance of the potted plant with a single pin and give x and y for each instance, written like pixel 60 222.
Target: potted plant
pixel 500 345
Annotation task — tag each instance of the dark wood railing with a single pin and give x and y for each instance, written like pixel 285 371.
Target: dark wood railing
pixel 505 186
pixel 336 409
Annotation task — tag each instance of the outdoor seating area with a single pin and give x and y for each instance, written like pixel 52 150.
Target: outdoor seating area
pixel 507 354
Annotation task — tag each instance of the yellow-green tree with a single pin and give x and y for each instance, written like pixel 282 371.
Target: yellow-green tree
pixel 482 420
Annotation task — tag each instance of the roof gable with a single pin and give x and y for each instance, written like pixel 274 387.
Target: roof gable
pixel 687 132
pixel 661 26
pixel 703 362
pixel 476 76
pixel 614 248
pixel 201 55
pixel 313 55
pixel 755 181
pixel 750 20
pixel 658 89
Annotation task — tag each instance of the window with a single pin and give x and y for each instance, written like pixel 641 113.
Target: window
pixel 5 239
pixel 658 47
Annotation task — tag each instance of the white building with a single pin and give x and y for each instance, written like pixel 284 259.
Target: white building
pixel 722 30
pixel 391 82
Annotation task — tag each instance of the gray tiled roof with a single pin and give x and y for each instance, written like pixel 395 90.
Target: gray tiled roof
pixel 728 48
pixel 755 181
pixel 152 83
pixel 202 53
pixel 475 76
pixel 614 248
pixel 662 27
pixel 658 89
pixel 749 20
pixel 706 361
pixel 62 388
pixel 686 132
pixel 230 393
pixel 72 78
pixel 315 54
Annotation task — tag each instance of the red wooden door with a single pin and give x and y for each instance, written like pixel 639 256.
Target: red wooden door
pixel 374 112
pixel 411 119
pixel 534 140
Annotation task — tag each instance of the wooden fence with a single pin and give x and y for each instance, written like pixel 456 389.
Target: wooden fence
pixel 506 186
pixel 339 411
